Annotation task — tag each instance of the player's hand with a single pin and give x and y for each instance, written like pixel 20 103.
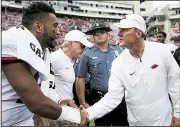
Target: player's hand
pixel 84 116
pixel 86 105
pixel 70 103
pixel 175 121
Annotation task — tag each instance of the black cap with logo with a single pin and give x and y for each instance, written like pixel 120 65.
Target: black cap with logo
pixel 75 26
pixel 98 26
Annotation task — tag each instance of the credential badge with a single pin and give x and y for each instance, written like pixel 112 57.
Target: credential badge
pixel 116 53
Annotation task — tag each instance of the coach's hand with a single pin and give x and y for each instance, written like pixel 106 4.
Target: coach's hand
pixel 84 116
pixel 175 121
pixel 68 102
pixel 85 105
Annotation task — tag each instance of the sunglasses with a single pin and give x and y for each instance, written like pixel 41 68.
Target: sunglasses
pixel 82 46
pixel 99 32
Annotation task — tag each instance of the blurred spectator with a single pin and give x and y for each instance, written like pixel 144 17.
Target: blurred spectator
pixel 161 37
pixel 66 23
pixel 176 40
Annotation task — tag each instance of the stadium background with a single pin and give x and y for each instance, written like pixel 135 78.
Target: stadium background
pixel 82 14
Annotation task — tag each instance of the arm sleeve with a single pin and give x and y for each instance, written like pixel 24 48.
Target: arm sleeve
pixel 174 83
pixel 9 54
pixel 112 98
pixel 9 45
pixel 9 50
pixel 83 66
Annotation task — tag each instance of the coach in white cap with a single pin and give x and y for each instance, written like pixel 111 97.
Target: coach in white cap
pixel 74 44
pixel 147 72
pixel 62 60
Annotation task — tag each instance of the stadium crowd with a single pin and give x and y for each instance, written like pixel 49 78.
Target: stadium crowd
pixel 66 23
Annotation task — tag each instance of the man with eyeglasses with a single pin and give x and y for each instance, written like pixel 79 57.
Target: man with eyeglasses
pixel 96 61
pixel 62 62
pixel 147 73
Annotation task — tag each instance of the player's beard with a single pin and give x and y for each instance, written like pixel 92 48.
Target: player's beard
pixel 48 41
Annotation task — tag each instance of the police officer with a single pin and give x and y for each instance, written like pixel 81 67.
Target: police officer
pixel 87 87
pixel 97 61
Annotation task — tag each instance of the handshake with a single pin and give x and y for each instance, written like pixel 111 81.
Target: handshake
pixel 73 114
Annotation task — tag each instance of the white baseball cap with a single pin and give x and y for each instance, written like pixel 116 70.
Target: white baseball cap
pixel 76 35
pixel 132 20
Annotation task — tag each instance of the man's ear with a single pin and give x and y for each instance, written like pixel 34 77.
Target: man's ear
pixel 39 27
pixel 139 33
pixel 70 43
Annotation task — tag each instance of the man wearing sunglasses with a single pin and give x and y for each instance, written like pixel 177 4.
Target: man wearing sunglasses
pixel 62 61
pixel 96 61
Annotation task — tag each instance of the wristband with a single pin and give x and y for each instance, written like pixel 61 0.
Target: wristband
pixel 59 101
pixel 70 114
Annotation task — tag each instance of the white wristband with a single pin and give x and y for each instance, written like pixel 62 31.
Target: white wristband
pixel 70 114
pixel 59 101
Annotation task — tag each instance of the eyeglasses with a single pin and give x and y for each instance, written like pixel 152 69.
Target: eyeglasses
pixel 99 32
pixel 82 46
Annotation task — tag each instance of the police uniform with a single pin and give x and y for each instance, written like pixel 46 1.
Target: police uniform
pixel 87 90
pixel 98 64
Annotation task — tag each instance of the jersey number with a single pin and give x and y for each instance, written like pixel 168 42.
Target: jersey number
pixel 52 85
